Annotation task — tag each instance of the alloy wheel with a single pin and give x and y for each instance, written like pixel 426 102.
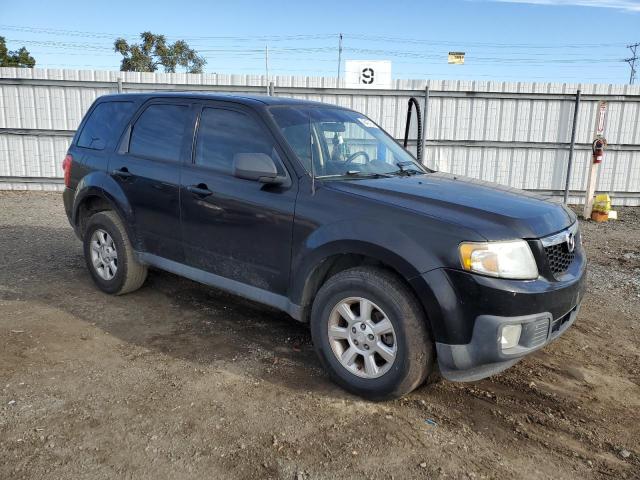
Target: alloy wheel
pixel 104 255
pixel 362 337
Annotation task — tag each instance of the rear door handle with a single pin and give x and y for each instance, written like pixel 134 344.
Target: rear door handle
pixel 122 173
pixel 201 190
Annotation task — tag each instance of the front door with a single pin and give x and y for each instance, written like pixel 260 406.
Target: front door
pixel 148 170
pixel 235 228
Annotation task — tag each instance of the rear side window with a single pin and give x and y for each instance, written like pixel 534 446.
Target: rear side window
pixel 105 124
pixel 224 133
pixel 159 131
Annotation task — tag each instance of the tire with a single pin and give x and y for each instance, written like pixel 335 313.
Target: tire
pixel 410 339
pixel 125 274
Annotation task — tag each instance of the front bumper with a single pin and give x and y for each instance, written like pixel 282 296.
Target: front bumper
pixel 483 355
pixel 467 313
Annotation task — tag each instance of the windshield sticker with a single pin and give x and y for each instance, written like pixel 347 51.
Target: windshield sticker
pixel 367 123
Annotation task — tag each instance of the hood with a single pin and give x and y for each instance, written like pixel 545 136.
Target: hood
pixel 494 211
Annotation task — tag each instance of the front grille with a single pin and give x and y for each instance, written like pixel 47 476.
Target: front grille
pixel 559 257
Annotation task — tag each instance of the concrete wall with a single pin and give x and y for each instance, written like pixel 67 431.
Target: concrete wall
pixel 512 133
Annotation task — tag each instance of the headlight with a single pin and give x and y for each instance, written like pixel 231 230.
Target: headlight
pixel 511 259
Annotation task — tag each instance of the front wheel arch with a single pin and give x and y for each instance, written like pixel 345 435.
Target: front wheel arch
pixel 348 253
pixel 337 257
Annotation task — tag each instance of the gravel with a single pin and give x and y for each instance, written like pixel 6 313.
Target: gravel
pixel 178 380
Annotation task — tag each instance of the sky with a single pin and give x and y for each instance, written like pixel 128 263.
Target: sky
pixel 506 40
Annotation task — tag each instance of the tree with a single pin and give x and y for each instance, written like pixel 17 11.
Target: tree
pixel 18 58
pixel 154 51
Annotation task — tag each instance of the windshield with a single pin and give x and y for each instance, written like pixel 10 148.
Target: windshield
pixel 342 143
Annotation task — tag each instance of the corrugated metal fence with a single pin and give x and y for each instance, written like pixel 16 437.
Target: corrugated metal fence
pixel 512 133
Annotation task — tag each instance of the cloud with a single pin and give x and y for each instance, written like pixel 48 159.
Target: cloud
pixel 627 5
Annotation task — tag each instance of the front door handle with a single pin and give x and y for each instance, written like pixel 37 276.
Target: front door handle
pixel 122 173
pixel 201 190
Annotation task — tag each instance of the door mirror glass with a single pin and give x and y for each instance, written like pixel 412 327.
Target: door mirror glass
pixel 255 166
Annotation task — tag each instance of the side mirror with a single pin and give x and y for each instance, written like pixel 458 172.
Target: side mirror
pixel 259 167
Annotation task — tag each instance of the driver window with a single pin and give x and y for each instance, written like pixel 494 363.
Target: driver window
pixel 224 133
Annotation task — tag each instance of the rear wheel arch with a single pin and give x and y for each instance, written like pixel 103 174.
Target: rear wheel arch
pixel 88 206
pixel 95 199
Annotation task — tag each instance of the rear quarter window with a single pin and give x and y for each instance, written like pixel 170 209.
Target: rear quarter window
pixel 105 124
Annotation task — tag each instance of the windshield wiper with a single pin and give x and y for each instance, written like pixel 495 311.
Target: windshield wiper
pixel 402 170
pixel 358 173
pixel 355 174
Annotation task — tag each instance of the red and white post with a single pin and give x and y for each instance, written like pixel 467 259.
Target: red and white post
pixel 598 145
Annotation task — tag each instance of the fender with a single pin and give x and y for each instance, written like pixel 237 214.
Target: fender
pixel 360 237
pixel 100 184
pixel 417 281
pixel 318 256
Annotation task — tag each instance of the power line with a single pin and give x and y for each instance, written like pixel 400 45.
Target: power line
pixel 422 53
pixel 517 60
pixel 107 35
pixel 479 60
pixel 318 36
pixel 405 40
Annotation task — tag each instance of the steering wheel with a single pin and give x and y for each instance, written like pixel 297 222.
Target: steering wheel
pixel 355 155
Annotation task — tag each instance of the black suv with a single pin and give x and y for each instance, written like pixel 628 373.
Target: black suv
pixel 315 210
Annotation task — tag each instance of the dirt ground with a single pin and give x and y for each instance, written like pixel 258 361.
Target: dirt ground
pixel 179 380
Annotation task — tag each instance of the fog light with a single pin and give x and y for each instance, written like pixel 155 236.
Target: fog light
pixel 510 336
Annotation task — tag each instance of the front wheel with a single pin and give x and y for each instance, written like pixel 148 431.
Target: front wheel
pixel 370 333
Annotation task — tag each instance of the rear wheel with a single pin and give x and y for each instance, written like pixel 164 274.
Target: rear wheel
pixel 370 333
pixel 109 255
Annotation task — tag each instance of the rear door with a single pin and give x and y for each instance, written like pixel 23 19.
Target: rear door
pixel 148 168
pixel 235 228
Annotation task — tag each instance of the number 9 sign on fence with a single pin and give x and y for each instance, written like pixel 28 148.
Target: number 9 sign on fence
pixel 368 73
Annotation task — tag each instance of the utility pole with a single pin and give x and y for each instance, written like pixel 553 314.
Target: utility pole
pixel 632 62
pixel 266 65
pixel 339 59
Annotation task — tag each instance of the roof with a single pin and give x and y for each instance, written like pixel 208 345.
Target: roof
pixel 246 99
